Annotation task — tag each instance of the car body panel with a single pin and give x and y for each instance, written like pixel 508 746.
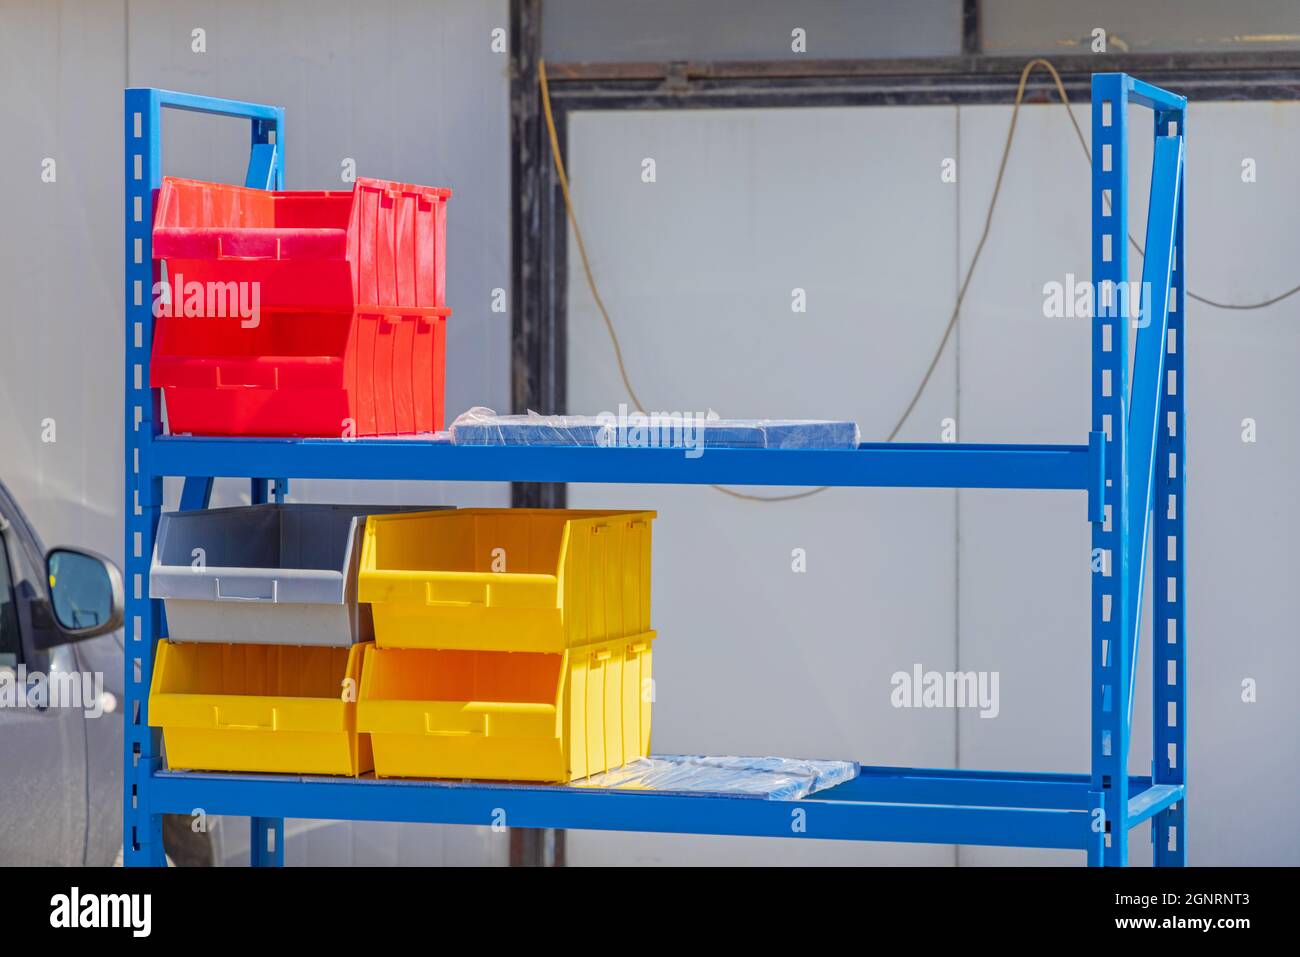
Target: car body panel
pixel 43 805
pixel 103 655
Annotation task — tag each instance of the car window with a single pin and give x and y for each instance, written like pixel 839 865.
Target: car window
pixel 8 612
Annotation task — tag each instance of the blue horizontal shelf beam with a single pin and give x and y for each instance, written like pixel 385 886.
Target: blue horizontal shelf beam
pixel 1141 93
pixel 1153 97
pixel 214 105
pixel 891 465
pixel 537 806
pixel 988 788
pixel 1151 801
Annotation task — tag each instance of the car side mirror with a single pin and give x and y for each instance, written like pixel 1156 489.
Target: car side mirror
pixel 86 593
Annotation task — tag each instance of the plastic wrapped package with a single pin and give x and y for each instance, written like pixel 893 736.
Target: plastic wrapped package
pixel 481 426
pixel 776 779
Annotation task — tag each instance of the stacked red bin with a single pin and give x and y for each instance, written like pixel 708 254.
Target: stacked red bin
pixel 301 313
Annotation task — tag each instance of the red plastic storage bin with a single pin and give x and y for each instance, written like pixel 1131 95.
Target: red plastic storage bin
pixel 349 336
pixel 351 374
pixel 380 245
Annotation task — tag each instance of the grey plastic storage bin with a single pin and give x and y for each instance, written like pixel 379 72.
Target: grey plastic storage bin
pixel 276 574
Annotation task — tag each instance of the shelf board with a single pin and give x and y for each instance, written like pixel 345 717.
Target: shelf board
pixel 999 808
pixel 943 465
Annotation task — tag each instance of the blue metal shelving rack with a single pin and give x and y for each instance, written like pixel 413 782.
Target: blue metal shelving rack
pixel 1131 468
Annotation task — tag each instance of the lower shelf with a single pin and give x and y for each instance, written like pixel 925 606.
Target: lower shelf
pixel 926 806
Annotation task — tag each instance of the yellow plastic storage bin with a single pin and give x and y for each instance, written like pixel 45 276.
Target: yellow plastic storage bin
pixel 279 708
pixel 517 716
pixel 510 579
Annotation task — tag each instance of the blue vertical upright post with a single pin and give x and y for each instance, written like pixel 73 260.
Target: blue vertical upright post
pixel 144 620
pixel 1169 601
pixel 142 830
pixel 266 842
pixel 266 153
pixel 266 171
pixel 1111 621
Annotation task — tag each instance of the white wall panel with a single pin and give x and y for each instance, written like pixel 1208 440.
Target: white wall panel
pixel 1138 26
pixel 697 270
pixel 410 90
pixel 657 30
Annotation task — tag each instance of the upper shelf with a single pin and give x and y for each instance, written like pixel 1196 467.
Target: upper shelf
pixel 870 464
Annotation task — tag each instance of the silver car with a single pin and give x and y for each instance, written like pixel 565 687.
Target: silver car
pixel 61 715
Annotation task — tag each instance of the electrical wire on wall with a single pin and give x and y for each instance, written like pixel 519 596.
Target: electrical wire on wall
pixel 961 292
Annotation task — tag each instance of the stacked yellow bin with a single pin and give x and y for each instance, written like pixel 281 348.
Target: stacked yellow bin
pixel 511 644
pixel 263 656
pixel 275 708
